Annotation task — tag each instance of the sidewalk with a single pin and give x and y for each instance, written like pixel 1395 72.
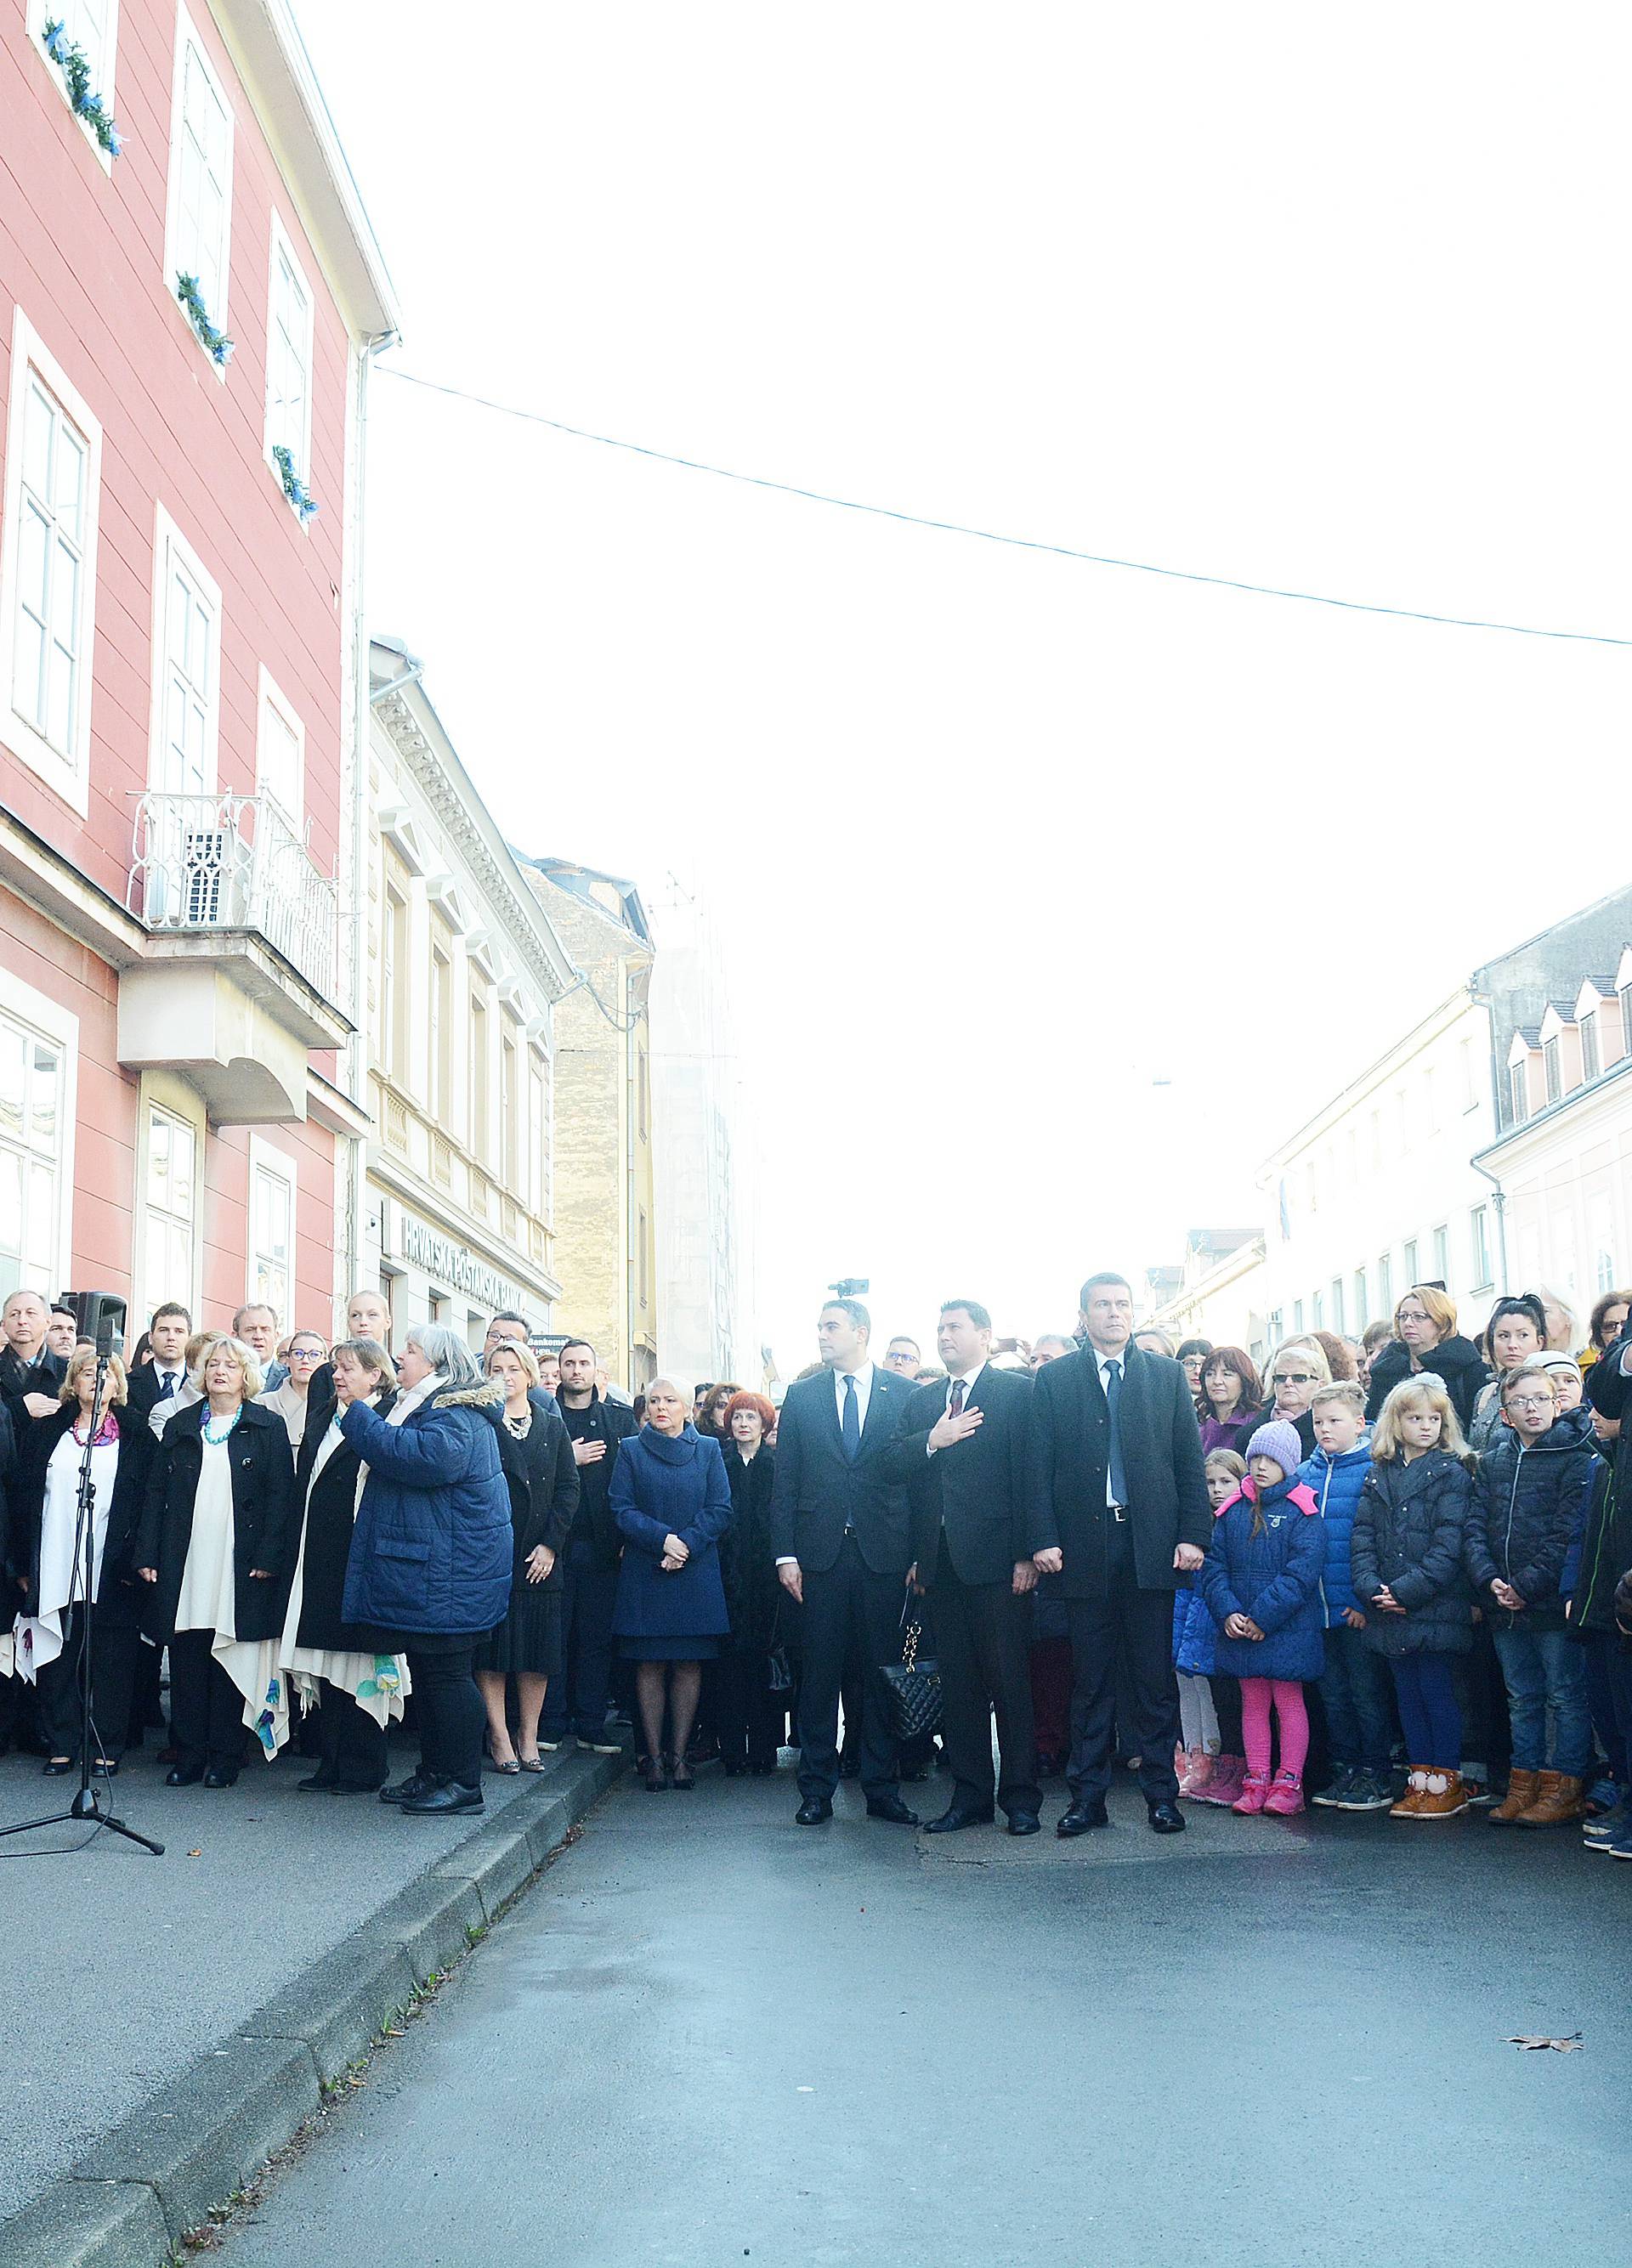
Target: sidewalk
pixel 124 1970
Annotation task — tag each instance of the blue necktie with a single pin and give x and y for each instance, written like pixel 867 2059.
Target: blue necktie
pixel 849 1421
pixel 1114 1401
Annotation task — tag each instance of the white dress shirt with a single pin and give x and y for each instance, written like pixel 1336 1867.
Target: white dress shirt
pixel 863 1377
pixel 1105 1362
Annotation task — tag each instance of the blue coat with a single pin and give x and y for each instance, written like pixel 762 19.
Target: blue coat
pixel 431 1552
pixel 665 1485
pixel 1275 1577
pixel 1335 1483
pixel 1195 1633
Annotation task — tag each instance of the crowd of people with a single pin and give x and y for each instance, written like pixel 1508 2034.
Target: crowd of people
pixel 1388 1574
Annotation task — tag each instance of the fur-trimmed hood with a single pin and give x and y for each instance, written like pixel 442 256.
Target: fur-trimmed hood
pixel 486 1394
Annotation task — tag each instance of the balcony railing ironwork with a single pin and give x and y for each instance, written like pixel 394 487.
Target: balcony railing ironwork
pixel 234 861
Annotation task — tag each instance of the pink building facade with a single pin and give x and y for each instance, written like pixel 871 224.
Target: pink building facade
pixel 181 822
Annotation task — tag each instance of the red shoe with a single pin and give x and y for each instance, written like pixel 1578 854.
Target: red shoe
pixel 1253 1796
pixel 1286 1797
pixel 1224 1785
pixel 1198 1773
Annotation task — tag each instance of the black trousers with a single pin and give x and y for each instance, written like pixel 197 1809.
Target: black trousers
pixel 848 1601
pixel 351 1749
pixel 751 1717
pixel 982 1644
pixel 1129 1630
pixel 114 1653
pixel 576 1700
pixel 452 1717
pixel 206 1708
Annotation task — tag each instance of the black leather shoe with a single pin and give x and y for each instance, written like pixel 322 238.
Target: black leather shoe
pixel 813 1811
pixel 1167 1819
pixel 1024 1822
pixel 184 1776
pixel 54 1767
pixel 322 1783
pixel 444 1802
pixel 404 1790
pixel 957 1816
pixel 1081 1817
pixel 892 1809
pixel 215 1778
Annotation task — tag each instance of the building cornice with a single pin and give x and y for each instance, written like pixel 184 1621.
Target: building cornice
pixel 1416 1040
pixel 523 916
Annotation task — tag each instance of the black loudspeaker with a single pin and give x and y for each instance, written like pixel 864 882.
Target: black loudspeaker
pixel 100 1316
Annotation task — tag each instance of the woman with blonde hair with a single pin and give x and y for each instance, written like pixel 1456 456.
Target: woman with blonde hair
pixel 1426 1339
pixel 1298 1366
pixel 1405 1557
pixel 215 1549
pixel 541 1473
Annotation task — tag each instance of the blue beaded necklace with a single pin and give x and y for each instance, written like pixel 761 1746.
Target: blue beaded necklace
pixel 216 1439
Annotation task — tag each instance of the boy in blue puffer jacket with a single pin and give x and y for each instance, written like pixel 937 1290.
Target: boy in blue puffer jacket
pixel 1355 1688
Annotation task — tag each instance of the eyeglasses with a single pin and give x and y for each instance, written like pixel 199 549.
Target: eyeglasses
pixel 305 1354
pixel 1292 1378
pixel 1531 1401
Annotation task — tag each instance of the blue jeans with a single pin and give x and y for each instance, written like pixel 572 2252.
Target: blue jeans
pixel 1427 1695
pixel 1546 1678
pixel 1355 1695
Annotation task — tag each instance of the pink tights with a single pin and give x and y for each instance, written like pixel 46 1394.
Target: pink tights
pixel 1288 1695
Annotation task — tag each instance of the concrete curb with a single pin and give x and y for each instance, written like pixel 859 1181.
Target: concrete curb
pixel 132 2197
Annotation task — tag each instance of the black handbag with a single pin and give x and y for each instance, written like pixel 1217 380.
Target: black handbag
pixel 916 1703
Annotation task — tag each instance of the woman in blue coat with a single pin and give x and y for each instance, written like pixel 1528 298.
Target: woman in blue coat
pixel 429 1571
pixel 671 1500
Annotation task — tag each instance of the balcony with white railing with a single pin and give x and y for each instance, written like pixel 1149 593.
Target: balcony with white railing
pixel 238 983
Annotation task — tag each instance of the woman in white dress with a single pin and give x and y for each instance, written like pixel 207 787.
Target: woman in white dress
pixel 216 1550
pixel 305 1352
pixel 44 1560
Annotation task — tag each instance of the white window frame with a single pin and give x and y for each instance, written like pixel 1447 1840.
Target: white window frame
pixel 61 1027
pixel 171 549
pixel 283 249
pixel 272 702
pixel 70 12
pixel 1479 1246
pixel 186 38
pixel 159 1091
pixel 266 1157
pixel 67 774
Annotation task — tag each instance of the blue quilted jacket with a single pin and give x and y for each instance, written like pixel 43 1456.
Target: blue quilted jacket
pixel 1275 1577
pixel 431 1550
pixel 1195 1633
pixel 1335 1483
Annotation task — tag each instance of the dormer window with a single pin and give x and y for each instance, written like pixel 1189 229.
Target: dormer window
pixel 1591 1058
pixel 1520 1077
pixel 1551 1070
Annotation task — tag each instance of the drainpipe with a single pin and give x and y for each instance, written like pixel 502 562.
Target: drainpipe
pixel 1481 998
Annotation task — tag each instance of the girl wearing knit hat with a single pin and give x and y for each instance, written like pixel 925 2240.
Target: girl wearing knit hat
pixel 1262 1581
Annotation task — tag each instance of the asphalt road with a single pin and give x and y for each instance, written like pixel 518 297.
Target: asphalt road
pixel 711 2036
pixel 121 1968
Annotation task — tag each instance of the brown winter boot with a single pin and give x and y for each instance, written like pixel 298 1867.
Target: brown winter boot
pixel 1522 1791
pixel 1442 1796
pixel 1559 1801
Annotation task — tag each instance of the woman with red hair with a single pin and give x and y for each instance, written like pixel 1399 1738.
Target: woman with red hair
pixel 752 1719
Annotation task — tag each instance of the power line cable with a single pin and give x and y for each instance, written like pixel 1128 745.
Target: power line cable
pixel 993 536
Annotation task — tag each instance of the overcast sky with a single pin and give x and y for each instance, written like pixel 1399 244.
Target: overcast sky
pixel 1329 299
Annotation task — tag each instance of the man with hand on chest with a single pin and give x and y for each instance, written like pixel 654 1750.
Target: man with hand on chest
pixel 961 1450
pixel 1117 1484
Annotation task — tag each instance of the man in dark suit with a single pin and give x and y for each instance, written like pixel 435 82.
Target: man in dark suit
pixel 840 1527
pixel 157 1378
pixel 960 1449
pixel 1117 1483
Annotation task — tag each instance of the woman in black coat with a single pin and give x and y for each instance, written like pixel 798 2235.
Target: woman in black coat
pixel 356 1690
pixel 215 1549
pixel 1426 1338
pixel 541 1472
pixel 42 1560
pixel 752 1719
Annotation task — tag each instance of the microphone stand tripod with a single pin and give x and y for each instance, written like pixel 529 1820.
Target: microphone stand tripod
pixel 86 1804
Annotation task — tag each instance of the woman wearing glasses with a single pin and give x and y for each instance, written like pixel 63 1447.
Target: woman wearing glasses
pixel 305 1352
pixel 1296 1368
pixel 1426 1338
